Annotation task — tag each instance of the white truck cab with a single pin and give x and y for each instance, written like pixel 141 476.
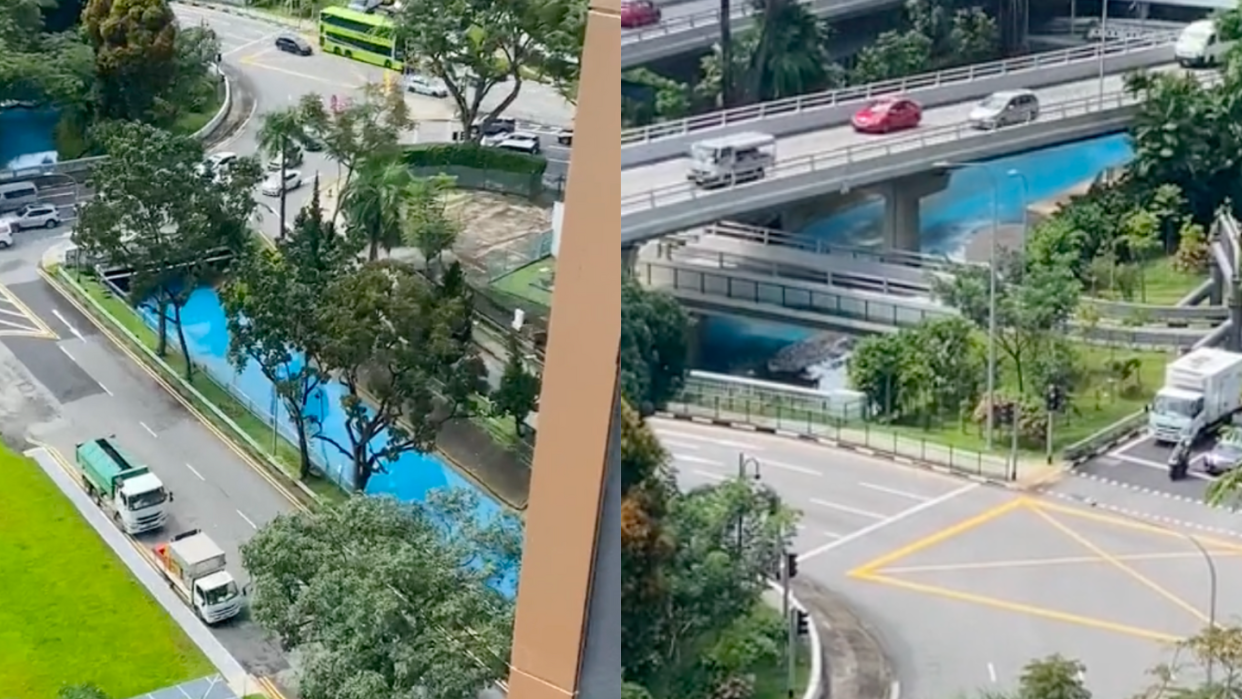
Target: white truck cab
pixel 194 566
pixel 1199 44
pixel 140 503
pixel 1201 390
pixel 741 157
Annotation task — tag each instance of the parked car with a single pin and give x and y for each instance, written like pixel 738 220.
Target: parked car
pixel 1004 108
pixel 426 85
pixel 290 43
pixel 522 142
pixel 293 158
pixel 565 137
pixel 639 13
pixel 34 216
pixel 888 114
pixel 272 186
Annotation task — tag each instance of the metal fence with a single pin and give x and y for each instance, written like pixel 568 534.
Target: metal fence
pixel 836 422
pixel 502 261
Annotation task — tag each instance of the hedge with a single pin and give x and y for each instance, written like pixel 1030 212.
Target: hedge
pixel 472 155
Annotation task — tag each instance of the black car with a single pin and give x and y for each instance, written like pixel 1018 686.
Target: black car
pixel 294 44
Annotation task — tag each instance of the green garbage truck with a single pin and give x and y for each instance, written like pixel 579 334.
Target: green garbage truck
pixel 122 486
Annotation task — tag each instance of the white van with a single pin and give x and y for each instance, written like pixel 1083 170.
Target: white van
pixel 1199 45
pixel 742 157
pixel 15 195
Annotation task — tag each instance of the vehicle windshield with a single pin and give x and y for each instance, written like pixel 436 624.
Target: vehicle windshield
pixel 1182 407
pixel 1231 451
pixel 881 106
pixel 1197 34
pixel 995 102
pixel 217 595
pixel 151 498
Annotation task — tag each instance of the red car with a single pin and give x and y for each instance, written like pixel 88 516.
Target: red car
pixel 639 13
pixel 888 114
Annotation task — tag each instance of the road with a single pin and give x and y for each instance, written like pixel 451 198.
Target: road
pixel 964 583
pixel 639 180
pixel 281 80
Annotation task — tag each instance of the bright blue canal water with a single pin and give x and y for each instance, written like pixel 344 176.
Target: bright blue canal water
pixel 948 218
pixel 26 137
pixel 409 478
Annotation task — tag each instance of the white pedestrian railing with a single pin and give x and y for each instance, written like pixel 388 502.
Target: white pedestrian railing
pixel 863 93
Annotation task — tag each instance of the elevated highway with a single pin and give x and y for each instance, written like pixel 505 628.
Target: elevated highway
pixel 695 25
pixel 819 111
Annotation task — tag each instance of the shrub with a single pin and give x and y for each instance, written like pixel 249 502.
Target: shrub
pixel 472 155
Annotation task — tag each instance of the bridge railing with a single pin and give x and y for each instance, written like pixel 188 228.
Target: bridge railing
pixel 792 410
pixel 857 281
pixel 785 239
pixel 863 93
pixel 69 168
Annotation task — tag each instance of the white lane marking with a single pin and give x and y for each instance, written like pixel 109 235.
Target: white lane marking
pixel 69 325
pixel 876 526
pixel 243 516
pixel 105 388
pixel 893 491
pixel 747 446
pixel 992 673
pixel 148 429
pixel 708 475
pixel 194 471
pixel 847 509
pixel 70 356
pixel 696 459
pixel 1130 444
pixel 1156 465
pixel 780 465
pixel 680 445
pixel 248 44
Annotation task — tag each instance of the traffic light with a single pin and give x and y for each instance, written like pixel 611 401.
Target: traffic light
pixel 1054 398
pixel 1004 413
pixel 791 565
pixel 801 622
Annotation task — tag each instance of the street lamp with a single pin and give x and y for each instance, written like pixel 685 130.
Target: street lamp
pixel 1103 45
pixel 1203 553
pixel 746 465
pixel 1026 192
pixel 991 289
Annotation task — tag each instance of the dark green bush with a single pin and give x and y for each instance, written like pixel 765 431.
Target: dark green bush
pixel 472 155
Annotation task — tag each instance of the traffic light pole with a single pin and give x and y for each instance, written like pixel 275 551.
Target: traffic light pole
pixel 1048 438
pixel 1013 440
pixel 791 632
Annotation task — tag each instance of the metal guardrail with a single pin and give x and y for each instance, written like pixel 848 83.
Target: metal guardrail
pixel 854 281
pixel 1150 313
pixel 856 432
pixel 862 93
pixel 1105 439
pixel 68 168
pixel 785 239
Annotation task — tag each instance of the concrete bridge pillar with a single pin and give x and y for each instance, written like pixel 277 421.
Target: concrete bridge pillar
pixel 629 257
pixel 902 198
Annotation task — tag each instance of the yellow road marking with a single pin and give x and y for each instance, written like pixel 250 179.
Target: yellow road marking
pixel 1119 565
pixel 42 330
pixel 958 529
pixel 1052 561
pixel 1125 523
pixel 229 443
pixel 1027 609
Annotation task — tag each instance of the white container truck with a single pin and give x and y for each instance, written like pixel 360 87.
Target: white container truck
pixel 194 566
pixel 1201 390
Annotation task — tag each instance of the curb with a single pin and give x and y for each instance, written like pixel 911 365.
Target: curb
pixel 222 113
pixel 814 685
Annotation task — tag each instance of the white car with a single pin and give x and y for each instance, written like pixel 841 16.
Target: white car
pixel 219 163
pixel 522 142
pixel 34 216
pixel 6 235
pixel 425 85
pixel 272 186
pixel 1004 108
pixel 293 158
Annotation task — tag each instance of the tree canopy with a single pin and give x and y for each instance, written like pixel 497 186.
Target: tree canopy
pixel 135 47
pixel 654 345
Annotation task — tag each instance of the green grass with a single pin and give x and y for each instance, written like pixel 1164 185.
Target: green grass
pixel 70 612
pixel 190 122
pixel 1165 286
pixel 770 679
pixel 284 453
pixel 528 282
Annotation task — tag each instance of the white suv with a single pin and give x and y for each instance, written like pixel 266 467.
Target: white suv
pixel 34 216
pixel 522 142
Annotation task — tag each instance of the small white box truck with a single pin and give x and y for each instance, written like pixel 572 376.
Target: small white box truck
pixel 194 566
pixel 1201 389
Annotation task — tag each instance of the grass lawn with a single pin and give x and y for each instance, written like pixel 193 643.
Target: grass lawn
pixel 529 282
pixel 1165 285
pixel 190 122
pixel 285 453
pixel 70 612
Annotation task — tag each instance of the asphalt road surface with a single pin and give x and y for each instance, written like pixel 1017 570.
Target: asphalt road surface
pixel 280 80
pixel 965 583
pixel 62 382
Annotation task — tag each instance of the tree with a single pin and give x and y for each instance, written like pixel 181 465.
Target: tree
pixel 159 212
pixel 1142 230
pixel 1216 650
pixel 271 300
pixel 893 54
pixel 476 46
pixel 374 203
pixel 790 57
pixel 518 392
pixel 38 65
pixel 654 346
pixel 1193 256
pixel 428 226
pixel 386 599
pixel 560 63
pixel 392 338
pixel 135 46
pixel 1054 677
pixel 280 134
pixel 974 36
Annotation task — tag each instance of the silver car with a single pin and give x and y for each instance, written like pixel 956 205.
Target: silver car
pixel 1004 108
pixel 34 216
pixel 424 85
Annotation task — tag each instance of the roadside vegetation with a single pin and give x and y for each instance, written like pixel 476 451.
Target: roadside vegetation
pixel 69 603
pixel 96 61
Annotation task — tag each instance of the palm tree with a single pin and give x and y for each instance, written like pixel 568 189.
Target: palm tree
pixel 374 203
pixel 279 135
pixel 791 57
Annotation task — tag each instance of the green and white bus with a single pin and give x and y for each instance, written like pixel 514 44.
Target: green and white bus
pixel 360 36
